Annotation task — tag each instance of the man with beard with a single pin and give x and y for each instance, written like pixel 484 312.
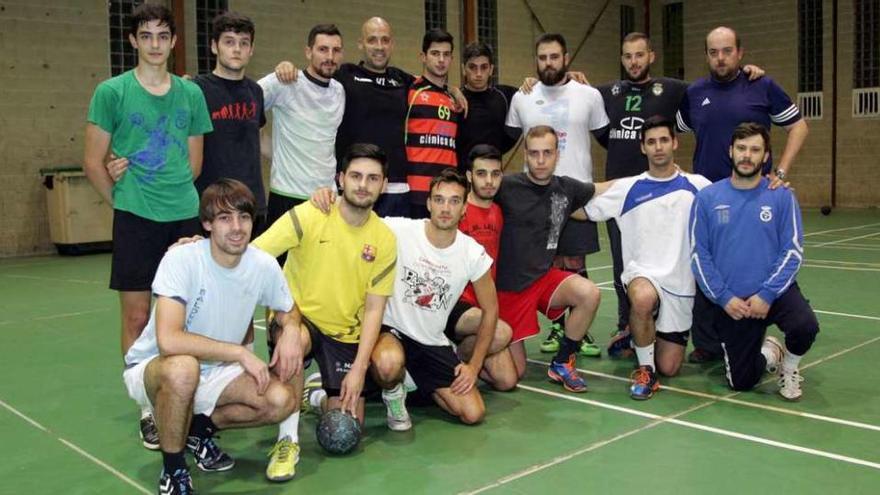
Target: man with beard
pixel 652 209
pixel 306 116
pixel 488 105
pixel 712 107
pixel 189 364
pixel 574 111
pixel 628 103
pixel 341 321
pixel 747 243
pixel 431 120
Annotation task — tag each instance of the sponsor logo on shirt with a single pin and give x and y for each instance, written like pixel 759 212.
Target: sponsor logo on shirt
pixel 368 254
pixel 657 89
pixel 705 102
pixel 629 128
pixel 766 214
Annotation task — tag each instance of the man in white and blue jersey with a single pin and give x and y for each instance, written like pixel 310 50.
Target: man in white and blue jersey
pixel 712 107
pixel 746 250
pixel 652 210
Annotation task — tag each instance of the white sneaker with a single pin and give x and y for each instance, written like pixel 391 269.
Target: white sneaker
pixel 397 415
pixel 774 351
pixel 790 385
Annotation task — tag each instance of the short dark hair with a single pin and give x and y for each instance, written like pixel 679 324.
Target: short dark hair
pixel 657 121
pixel 365 150
pixel 478 49
pixel 735 38
pixel 147 12
pixel 231 21
pixel 749 129
pixel 482 151
pixel 226 195
pixel 436 35
pixel 328 29
pixel 450 176
pixel 552 38
pixel 540 131
pixel 636 36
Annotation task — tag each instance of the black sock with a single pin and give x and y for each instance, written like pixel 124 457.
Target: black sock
pixel 201 426
pixel 566 348
pixel 172 461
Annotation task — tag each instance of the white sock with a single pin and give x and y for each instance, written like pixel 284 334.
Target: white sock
pixel 646 355
pixel 790 361
pixel 408 383
pixel 146 411
pixel 316 398
pixel 289 428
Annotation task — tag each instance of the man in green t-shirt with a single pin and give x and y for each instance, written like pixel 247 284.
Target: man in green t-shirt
pixel 151 124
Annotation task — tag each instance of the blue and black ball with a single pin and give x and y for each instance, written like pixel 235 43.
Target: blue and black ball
pixel 338 433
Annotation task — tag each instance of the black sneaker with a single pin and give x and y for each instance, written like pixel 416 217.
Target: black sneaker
pixel 149 432
pixel 178 483
pixel 208 455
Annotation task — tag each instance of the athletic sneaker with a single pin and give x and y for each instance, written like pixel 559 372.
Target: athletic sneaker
pixel 208 455
pixel 551 344
pixel 566 374
pixel 149 432
pixel 588 347
pixel 282 460
pixel 312 384
pixel 620 345
pixel 644 383
pixel 700 356
pixel 775 350
pixel 178 483
pixel 790 385
pixel 397 415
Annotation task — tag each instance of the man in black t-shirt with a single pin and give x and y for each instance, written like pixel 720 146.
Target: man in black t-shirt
pixel 536 204
pixel 235 103
pixel 487 105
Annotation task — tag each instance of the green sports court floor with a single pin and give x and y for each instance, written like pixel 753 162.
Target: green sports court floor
pixel 67 426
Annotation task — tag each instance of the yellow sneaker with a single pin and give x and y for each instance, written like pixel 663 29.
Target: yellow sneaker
pixel 282 460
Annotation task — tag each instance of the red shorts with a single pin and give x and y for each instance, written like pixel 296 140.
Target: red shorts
pixel 519 309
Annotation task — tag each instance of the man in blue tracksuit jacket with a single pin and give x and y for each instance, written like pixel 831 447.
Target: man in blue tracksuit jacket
pixel 746 249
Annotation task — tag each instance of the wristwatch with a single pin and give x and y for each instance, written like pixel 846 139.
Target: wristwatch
pixel 780 173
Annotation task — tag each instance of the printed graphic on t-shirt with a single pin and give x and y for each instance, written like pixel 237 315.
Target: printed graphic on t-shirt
pixel 154 157
pixel 558 210
pixel 558 112
pixel 242 110
pixel 427 286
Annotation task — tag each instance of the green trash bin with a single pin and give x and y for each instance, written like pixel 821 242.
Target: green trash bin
pixel 80 221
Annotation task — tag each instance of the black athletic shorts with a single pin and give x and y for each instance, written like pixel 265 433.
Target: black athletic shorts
pixel 139 245
pixel 334 359
pixel 680 338
pixel 458 311
pixel 431 366
pixel 578 238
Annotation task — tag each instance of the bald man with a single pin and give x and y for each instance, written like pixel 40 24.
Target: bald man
pixel 712 108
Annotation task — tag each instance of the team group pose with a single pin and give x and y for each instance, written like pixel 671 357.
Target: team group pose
pixel 392 251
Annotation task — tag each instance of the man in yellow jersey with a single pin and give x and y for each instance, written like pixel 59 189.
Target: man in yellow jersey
pixel 340 269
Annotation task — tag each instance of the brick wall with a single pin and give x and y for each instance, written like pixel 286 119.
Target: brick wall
pixel 54 53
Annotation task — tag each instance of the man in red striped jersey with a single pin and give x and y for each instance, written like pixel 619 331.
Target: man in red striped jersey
pixel 431 120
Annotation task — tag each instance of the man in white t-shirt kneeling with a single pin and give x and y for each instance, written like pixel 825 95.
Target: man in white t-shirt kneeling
pixel 189 364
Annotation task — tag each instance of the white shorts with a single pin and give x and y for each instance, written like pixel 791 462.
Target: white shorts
pixel 675 313
pixel 212 382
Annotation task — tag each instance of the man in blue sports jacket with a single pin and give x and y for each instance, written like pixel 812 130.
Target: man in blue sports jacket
pixel 746 250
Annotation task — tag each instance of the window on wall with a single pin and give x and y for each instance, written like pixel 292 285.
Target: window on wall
pixel 627 25
pixel 435 14
pixel 866 61
pixel 206 10
pixel 810 58
pixel 123 56
pixel 673 40
pixel 487 29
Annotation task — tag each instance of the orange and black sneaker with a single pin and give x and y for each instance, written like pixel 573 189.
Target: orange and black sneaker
pixel 644 383
pixel 566 374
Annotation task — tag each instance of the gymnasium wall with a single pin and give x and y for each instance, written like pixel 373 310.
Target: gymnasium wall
pixel 55 53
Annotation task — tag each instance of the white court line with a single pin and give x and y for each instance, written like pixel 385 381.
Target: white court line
pixel 595 268
pixel 659 420
pixel 839 241
pixel 72 446
pixel 588 448
pixel 845 268
pixel 844 228
pixel 849 315
pixel 836 262
pixel 65 315
pixel 51 279
pixel 847 247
